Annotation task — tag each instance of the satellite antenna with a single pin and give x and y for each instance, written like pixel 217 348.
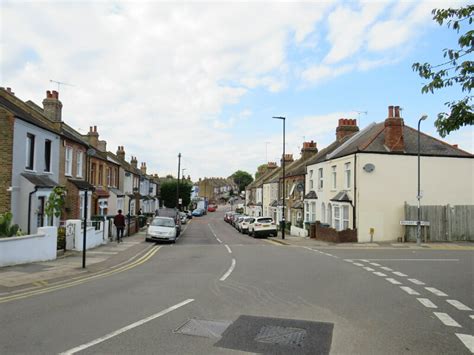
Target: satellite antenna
pixel 358 115
pixel 59 83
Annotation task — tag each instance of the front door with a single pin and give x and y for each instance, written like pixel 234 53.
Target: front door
pixel 40 214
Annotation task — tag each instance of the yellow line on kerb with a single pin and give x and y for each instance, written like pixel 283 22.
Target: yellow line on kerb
pixel 140 261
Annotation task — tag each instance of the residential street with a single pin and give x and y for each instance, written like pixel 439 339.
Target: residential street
pixel 263 297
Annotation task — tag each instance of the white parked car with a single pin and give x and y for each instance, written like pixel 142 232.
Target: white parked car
pixel 262 227
pixel 162 229
pixel 243 225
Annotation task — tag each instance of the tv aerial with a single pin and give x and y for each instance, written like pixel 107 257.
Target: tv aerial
pixel 59 83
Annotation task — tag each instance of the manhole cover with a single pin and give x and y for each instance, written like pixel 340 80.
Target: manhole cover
pixel 281 335
pixel 204 328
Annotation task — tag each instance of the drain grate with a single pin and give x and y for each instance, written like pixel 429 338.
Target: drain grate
pixel 281 335
pixel 204 328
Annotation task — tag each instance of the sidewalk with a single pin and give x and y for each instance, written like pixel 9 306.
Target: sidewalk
pixel 308 242
pixel 16 277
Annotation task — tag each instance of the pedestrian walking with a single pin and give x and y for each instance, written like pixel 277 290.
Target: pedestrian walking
pixel 119 221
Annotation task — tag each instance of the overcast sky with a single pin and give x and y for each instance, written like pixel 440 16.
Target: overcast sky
pixel 205 78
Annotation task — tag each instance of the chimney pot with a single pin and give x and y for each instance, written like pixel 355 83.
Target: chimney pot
pixel 95 128
pixel 390 111
pixel 455 146
pixel 396 111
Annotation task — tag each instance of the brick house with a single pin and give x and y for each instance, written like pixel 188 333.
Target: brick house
pixel 29 152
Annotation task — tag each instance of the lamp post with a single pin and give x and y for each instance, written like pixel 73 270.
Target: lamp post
pixel 283 224
pixel 177 185
pixel 90 152
pixel 418 224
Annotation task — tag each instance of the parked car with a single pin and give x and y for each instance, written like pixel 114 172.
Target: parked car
pixel 244 224
pixel 237 222
pixel 227 216
pixel 262 227
pixel 234 219
pixel 184 217
pixel 198 212
pixel 211 208
pixel 162 229
pixel 189 214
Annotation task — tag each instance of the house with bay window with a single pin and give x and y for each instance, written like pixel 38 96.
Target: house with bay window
pixel 363 179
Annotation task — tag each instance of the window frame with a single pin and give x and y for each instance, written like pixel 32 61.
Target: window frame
pixel 47 155
pixel 320 178
pixel 345 217
pixel 79 163
pixel 30 152
pixel 68 156
pixel 347 175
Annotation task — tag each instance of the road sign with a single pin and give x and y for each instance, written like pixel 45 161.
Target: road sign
pixel 180 201
pixel 414 223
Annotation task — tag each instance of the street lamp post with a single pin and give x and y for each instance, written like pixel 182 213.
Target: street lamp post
pixel 177 185
pixel 283 223
pixel 418 224
pixel 90 152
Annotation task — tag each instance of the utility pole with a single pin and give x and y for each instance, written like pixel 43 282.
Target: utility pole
pixel 283 223
pixel 177 186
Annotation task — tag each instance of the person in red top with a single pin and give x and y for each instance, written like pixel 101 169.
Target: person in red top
pixel 119 221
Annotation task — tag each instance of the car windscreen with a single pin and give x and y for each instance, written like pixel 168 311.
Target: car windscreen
pixel 265 220
pixel 162 222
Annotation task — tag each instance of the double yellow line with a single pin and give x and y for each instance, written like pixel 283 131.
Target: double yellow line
pixel 135 263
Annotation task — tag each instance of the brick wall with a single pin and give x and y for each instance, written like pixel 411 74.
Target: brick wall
pixel 71 204
pixel 6 158
pixel 329 234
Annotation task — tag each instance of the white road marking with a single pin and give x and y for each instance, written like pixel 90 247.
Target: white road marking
pixel 414 259
pixel 364 260
pixel 103 252
pixel 374 264
pixel 226 275
pixel 467 340
pixel 378 273
pixel 436 291
pixel 386 268
pixel 214 234
pixel 427 303
pixel 447 320
pixel 398 273
pixel 349 260
pixel 368 268
pixel 472 316
pixel 393 281
pixel 416 282
pixel 358 264
pixel 409 290
pixel 228 249
pixel 128 327
pixel 459 305
pixel 220 241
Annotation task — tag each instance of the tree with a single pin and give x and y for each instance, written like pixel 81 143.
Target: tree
pixel 260 170
pixel 455 71
pixel 168 192
pixel 242 179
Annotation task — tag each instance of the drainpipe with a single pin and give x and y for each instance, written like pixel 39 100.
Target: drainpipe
pixel 29 207
pixel 354 224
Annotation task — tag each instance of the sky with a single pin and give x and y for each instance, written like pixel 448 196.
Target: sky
pixel 205 78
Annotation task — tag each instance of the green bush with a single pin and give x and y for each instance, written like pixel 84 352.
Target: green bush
pixel 6 229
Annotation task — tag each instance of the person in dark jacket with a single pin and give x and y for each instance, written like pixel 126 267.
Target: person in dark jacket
pixel 119 221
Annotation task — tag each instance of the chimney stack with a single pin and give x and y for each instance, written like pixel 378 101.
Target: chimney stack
pixel 9 90
pixel 134 162
pixel 121 152
pixel 346 127
pixel 52 107
pixel 288 159
pixel 272 165
pixel 143 168
pixel 394 130
pixel 93 137
pixel 308 150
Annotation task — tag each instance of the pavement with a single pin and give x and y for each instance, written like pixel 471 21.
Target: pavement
pixel 309 242
pixel 68 265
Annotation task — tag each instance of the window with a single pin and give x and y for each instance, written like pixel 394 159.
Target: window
pixel 101 175
pixel 311 184
pixel 47 155
pixel 334 181
pixel 109 176
pixel 320 178
pixel 313 211
pixel 345 217
pixel 79 158
pixel 30 151
pixel 337 218
pixel 68 157
pixel 347 170
pixel 307 211
pixel 93 171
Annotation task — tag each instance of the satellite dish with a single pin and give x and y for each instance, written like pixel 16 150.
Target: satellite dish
pixel 369 167
pixel 300 187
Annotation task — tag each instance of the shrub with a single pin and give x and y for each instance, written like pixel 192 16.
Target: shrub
pixel 6 229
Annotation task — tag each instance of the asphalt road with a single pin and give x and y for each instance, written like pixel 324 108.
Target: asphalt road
pixel 219 292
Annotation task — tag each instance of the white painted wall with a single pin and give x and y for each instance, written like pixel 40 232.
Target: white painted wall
pixel 29 248
pixel 94 237
pixel 298 232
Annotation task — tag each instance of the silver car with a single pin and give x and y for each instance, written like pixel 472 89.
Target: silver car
pixel 162 229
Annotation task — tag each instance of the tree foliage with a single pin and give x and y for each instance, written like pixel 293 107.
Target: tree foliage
pixel 55 202
pixel 168 192
pixel 456 70
pixel 260 168
pixel 242 179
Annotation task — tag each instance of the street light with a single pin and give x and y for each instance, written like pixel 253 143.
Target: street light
pixel 418 223
pixel 177 185
pixel 282 223
pixel 90 152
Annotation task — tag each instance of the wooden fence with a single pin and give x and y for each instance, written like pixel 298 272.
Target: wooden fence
pixel 447 223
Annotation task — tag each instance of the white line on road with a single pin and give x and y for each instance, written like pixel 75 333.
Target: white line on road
pixel 459 305
pixel 128 327
pixel 368 268
pixel 374 264
pixel 467 340
pixel 349 260
pixel 386 268
pixel 378 273
pixel 228 249
pixel 358 264
pixel 414 259
pixel 472 316
pixel 226 275
pixel 416 282
pixel 427 303
pixel 409 290
pixel 393 281
pixel 220 241
pixel 364 260
pixel 214 234
pixel 398 273
pixel 436 291
pixel 447 320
